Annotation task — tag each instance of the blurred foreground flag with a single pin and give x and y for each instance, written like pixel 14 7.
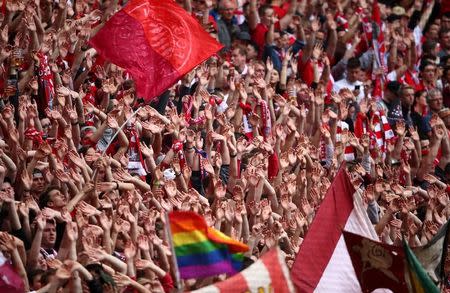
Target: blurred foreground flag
pixel 323 263
pixel 267 274
pixel 420 281
pixel 380 265
pixel 10 280
pixel 202 251
pixel 156 41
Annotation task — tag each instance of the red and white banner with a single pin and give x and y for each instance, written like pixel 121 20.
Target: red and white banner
pixel 323 263
pixel 268 274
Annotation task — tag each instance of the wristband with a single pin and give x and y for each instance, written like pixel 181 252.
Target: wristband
pixel 233 156
pixel 117 185
pixel 75 123
pixel 177 174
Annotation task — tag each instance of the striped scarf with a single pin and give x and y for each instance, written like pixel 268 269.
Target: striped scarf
pixel 46 79
pixel 136 161
pixel 381 133
pixel 349 151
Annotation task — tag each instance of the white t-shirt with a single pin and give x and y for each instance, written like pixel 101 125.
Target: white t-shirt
pixel 344 83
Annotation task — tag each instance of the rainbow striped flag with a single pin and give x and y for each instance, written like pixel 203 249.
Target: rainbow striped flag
pixel 202 251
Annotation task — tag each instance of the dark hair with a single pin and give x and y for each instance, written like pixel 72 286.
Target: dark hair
pixel 255 46
pixel 33 273
pixel 443 32
pixel 446 69
pixel 425 63
pixel 429 46
pixel 417 96
pixel 263 8
pixel 242 50
pixel 44 198
pixel 100 278
pixel 353 63
pixel 45 278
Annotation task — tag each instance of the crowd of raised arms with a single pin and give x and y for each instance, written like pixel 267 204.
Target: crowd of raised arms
pixel 250 139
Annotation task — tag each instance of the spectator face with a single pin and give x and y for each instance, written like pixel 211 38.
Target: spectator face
pixel 267 16
pixel 407 97
pixel 36 282
pixel 435 102
pixel 57 199
pixel 251 52
pixel 237 58
pixel 429 73
pixel 45 123
pixel 274 77
pixel 49 235
pixel 445 22
pixel 282 41
pixel 320 37
pixel 433 32
pixel 259 70
pixel 445 40
pixel 422 99
pixel 198 5
pixel 38 185
pixel 353 74
pixel 227 10
pixel 6 187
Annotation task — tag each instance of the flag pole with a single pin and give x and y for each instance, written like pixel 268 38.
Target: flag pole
pixel 120 128
pixel 174 257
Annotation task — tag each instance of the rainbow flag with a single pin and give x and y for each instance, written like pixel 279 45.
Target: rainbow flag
pixel 202 251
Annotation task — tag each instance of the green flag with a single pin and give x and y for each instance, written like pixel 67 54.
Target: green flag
pixel 420 282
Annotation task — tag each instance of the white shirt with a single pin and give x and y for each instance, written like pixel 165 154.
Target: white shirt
pixel 344 83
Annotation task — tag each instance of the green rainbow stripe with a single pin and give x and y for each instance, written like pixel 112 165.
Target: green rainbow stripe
pixel 197 248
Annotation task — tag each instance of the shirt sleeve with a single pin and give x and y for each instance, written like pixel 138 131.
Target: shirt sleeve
pixel 167 283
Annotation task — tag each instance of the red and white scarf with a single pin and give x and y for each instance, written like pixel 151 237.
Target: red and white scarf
pixel 381 133
pixel 349 151
pixel 46 78
pixel 136 162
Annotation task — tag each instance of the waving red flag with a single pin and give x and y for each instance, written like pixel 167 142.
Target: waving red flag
pixel 156 41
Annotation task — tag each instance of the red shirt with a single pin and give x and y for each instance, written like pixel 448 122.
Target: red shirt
pixel 167 283
pixel 259 34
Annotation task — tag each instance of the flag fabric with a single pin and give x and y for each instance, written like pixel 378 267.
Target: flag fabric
pixel 432 255
pixel 400 269
pixel 267 274
pixel 377 265
pixel 323 263
pixel 420 282
pixel 379 50
pixel 10 280
pixel 156 41
pixel 202 251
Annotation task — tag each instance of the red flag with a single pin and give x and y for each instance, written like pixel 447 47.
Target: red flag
pixel 377 265
pixel 323 263
pixel 156 41
pixel 379 50
pixel 267 274
pixel 10 280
